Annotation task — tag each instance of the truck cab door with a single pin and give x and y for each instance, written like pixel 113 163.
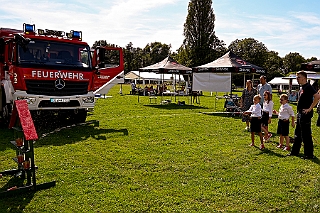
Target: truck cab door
pixel 109 65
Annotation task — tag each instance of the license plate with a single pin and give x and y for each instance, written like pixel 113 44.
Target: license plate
pixel 60 100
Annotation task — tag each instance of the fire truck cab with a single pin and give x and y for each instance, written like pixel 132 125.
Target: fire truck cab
pixel 56 72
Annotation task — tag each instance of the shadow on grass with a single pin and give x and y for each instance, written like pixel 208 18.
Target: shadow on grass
pixel 174 106
pixel 270 152
pixel 75 134
pixel 315 160
pixel 61 133
pixel 224 114
pixel 18 201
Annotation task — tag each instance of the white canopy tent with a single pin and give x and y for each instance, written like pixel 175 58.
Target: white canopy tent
pixel 217 75
pixel 150 76
pixel 283 82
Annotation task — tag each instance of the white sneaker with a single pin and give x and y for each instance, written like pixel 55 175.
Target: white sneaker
pixel 247 128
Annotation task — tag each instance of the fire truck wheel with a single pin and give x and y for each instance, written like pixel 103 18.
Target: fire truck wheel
pixel 80 116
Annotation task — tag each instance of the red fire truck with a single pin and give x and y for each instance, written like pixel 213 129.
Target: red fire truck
pixel 56 72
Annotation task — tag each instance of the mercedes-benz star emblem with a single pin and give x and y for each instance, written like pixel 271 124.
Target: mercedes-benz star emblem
pixel 59 83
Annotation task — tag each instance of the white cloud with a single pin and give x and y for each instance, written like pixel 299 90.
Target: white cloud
pixel 308 18
pixel 145 21
pixel 118 22
pixel 283 34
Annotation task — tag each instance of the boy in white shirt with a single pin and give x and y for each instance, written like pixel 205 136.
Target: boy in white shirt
pixel 255 120
pixel 284 114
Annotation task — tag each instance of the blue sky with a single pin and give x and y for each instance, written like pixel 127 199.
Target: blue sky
pixel 282 25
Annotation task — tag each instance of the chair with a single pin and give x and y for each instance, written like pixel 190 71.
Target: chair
pixel 152 96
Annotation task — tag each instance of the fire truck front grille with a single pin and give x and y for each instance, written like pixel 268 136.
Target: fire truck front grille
pixel 49 88
pixel 72 103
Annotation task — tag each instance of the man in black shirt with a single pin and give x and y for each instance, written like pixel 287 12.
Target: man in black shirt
pixel 308 99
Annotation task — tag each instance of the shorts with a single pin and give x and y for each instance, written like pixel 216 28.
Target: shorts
pixel 255 124
pixel 265 118
pixel 283 127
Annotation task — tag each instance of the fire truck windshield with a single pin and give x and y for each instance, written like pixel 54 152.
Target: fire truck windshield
pixel 55 55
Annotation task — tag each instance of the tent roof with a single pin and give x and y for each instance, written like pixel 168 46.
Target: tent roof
pixel 282 81
pixel 167 65
pixel 230 62
pixel 148 76
pixel 312 65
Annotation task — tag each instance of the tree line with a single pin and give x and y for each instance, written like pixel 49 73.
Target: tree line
pixel 201 46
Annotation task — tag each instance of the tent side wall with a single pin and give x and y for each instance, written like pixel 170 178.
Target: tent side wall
pixel 208 81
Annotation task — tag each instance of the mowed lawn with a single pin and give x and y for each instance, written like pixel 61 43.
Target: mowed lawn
pixel 163 158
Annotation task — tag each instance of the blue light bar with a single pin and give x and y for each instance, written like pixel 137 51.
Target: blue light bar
pixel 29 28
pixel 76 34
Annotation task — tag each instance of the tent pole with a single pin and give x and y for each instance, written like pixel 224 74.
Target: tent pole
pixel 231 85
pixel 174 88
pixel 139 87
pixel 215 101
pixel 162 87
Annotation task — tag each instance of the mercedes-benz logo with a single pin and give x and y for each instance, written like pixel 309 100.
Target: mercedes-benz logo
pixel 59 83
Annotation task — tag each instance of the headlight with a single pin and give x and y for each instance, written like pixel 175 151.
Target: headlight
pixel 28 99
pixel 88 100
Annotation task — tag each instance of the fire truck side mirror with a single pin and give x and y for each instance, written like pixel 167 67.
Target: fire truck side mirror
pixel 22 41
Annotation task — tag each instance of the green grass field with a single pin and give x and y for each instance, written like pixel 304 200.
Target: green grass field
pixel 163 158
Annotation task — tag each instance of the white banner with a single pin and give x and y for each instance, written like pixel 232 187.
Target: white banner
pixel 215 82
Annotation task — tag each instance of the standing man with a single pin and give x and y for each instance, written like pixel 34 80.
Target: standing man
pixel 262 87
pixel 133 88
pixel 308 99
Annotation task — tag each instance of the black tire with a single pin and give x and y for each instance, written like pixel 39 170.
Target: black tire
pixel 80 116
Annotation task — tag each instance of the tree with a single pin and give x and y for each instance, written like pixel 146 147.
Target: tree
pixel 133 58
pixel 128 54
pixel 312 59
pixel 292 62
pixel 136 58
pixel 250 50
pixel 103 43
pixel 274 64
pixel 200 41
pixel 156 52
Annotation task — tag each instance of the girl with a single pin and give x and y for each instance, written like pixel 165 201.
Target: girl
pixel 266 115
pixel 247 101
pixel 255 120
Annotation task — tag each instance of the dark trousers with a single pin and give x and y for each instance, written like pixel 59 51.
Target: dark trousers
pixel 303 134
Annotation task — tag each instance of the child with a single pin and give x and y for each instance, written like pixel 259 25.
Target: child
pixel 255 121
pixel 266 115
pixel 284 114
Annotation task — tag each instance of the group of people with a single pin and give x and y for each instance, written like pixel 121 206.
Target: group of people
pixel 257 105
pixel 147 90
